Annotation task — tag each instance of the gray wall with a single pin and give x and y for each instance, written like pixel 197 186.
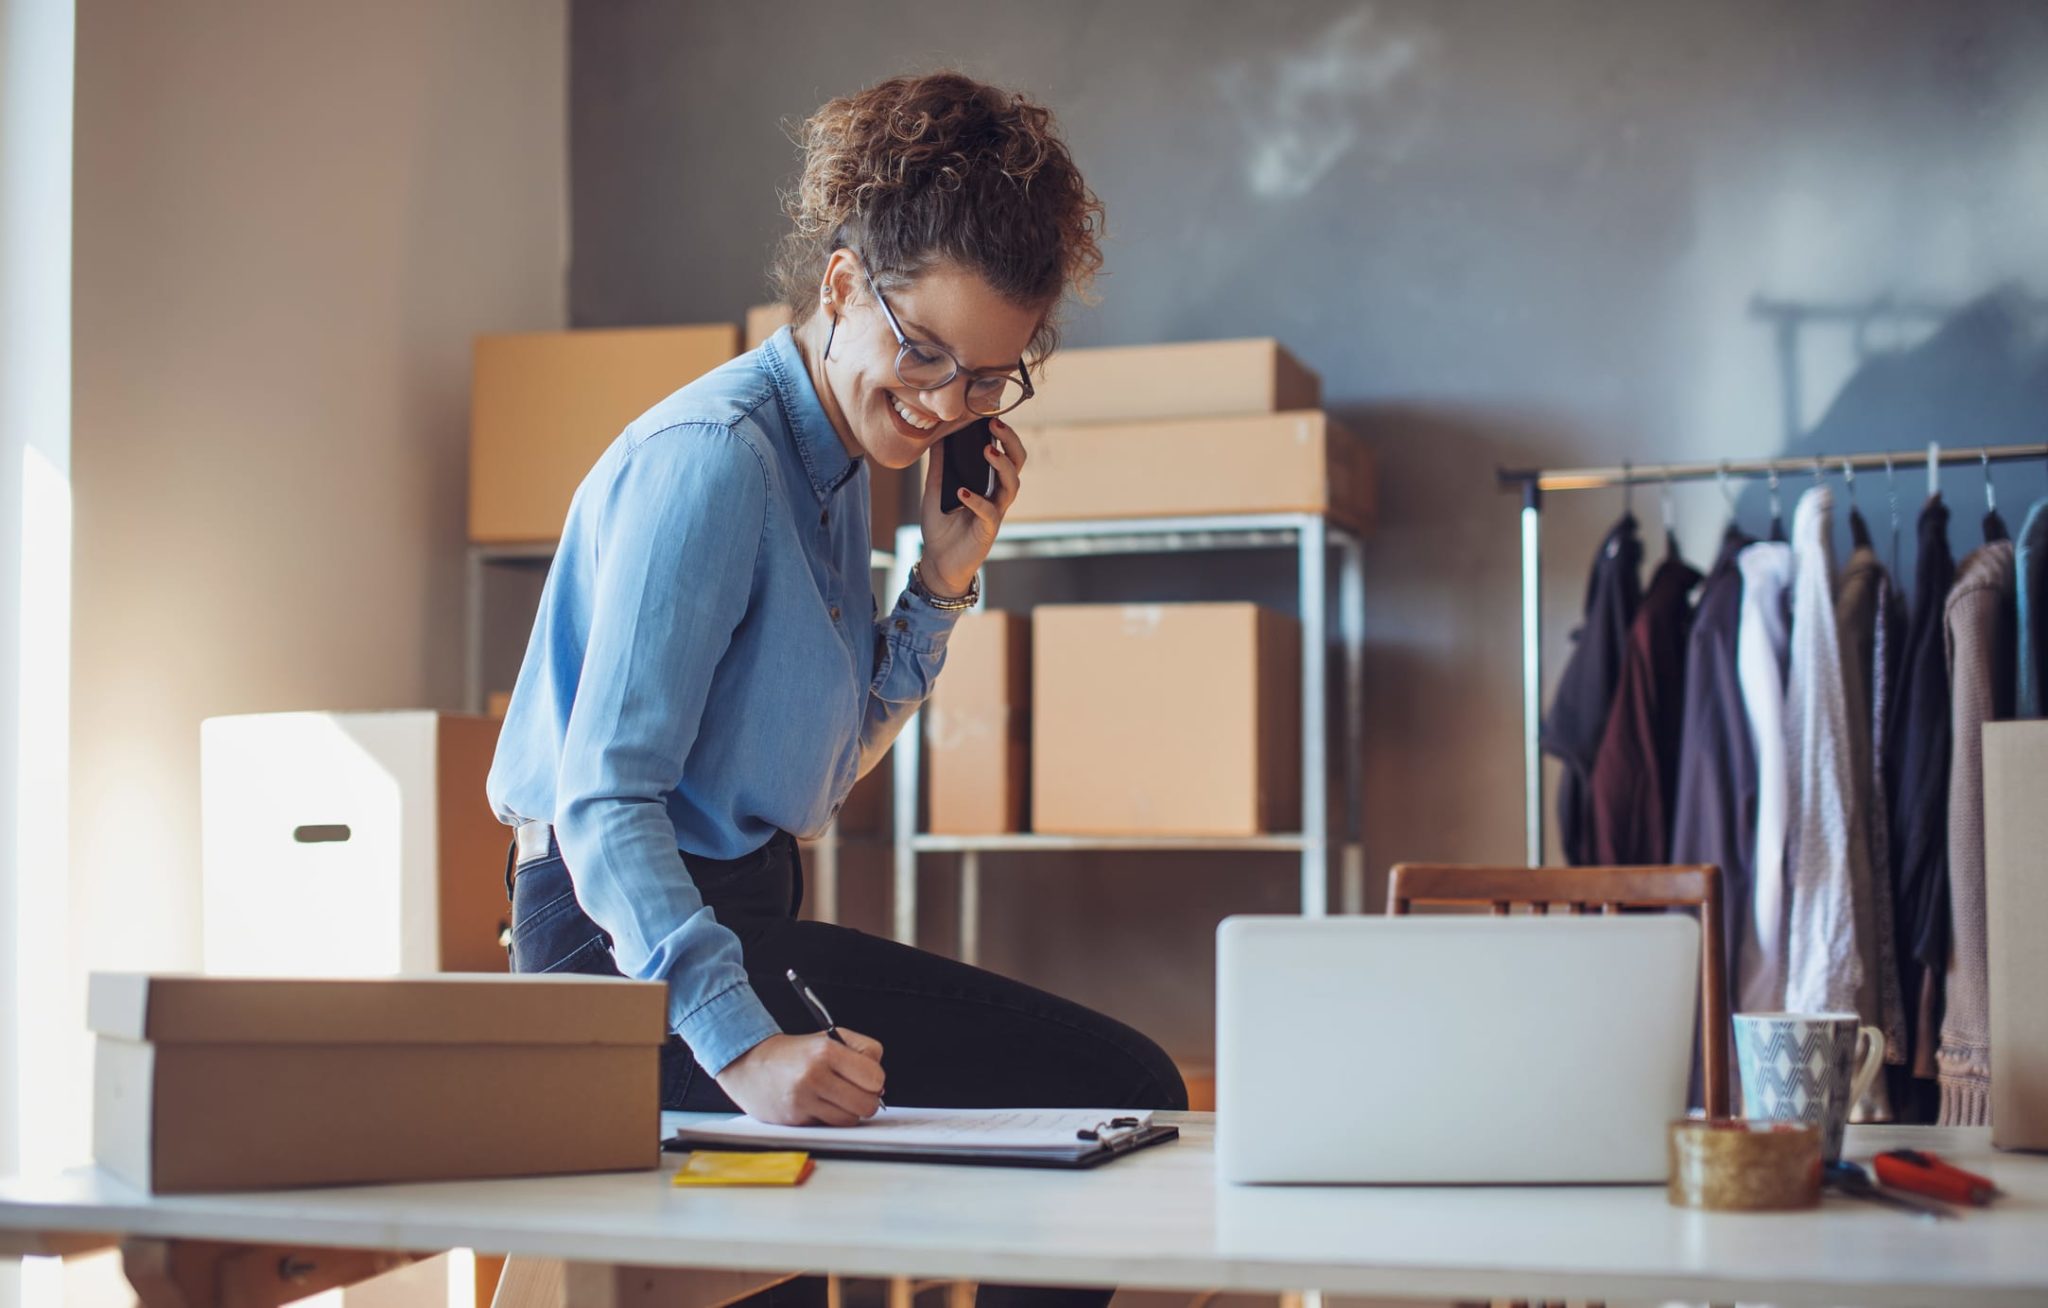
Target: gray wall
pixel 1503 232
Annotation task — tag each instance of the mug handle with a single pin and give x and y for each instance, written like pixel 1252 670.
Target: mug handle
pixel 1873 1060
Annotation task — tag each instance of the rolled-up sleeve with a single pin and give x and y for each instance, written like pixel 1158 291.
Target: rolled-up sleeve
pixel 678 533
pixel 910 648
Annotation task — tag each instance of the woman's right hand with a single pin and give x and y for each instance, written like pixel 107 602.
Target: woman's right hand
pixel 807 1080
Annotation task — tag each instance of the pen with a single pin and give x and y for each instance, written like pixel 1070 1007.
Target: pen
pixel 818 1013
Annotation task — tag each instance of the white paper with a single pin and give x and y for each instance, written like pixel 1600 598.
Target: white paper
pixel 929 1128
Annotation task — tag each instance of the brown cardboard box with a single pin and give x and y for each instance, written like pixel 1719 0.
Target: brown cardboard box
pixel 977 726
pixel 763 321
pixel 227 1083
pixel 887 503
pixel 1165 719
pixel 545 405
pixel 1196 379
pixel 390 805
pixel 1267 463
pixel 2016 915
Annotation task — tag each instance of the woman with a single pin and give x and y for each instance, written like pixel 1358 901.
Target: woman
pixel 700 682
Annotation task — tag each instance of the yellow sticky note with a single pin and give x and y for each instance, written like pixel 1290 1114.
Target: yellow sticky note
pixel 713 1167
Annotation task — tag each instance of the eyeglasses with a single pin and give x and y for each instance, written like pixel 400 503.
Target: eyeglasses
pixel 926 367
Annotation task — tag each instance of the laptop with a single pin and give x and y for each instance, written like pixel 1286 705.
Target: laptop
pixel 1453 1049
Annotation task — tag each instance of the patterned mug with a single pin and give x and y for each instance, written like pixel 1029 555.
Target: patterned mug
pixel 1797 1067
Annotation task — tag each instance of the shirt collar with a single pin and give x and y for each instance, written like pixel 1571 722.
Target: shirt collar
pixel 824 457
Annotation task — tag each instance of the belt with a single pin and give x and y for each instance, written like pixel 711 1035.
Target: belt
pixel 532 840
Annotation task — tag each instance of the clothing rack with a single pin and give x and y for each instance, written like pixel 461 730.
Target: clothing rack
pixel 1533 482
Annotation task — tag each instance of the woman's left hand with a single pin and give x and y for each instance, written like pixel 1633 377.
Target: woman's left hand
pixel 955 544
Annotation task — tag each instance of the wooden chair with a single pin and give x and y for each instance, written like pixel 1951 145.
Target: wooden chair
pixel 1609 889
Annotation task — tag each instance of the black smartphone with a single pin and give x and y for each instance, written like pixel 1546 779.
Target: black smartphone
pixel 964 464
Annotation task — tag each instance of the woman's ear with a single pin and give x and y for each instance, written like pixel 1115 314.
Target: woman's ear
pixel 841 281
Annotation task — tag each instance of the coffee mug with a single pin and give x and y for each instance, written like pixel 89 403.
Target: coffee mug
pixel 1796 1067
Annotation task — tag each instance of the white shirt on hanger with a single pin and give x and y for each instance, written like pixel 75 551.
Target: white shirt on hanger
pixel 1761 639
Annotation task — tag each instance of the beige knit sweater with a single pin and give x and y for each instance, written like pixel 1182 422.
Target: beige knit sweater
pixel 1982 619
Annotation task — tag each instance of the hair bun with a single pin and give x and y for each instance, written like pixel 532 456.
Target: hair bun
pixel 941 167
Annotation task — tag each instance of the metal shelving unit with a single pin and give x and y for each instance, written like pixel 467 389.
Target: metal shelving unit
pixel 1312 537
pixel 823 865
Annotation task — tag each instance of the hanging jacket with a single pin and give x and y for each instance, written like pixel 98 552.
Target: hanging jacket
pixel 1827 860
pixel 2031 567
pixel 1868 617
pixel 1713 817
pixel 1636 769
pixel 1760 650
pixel 1917 739
pixel 1585 693
pixel 1980 647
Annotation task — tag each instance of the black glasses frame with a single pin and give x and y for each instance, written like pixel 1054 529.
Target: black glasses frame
pixel 904 344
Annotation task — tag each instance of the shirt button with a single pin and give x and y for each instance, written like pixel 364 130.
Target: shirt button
pixel 824 517
pixel 902 625
pixel 835 613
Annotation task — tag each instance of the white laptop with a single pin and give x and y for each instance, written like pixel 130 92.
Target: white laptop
pixel 1452 1049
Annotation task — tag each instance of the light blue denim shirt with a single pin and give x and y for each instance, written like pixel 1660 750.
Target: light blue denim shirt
pixel 707 668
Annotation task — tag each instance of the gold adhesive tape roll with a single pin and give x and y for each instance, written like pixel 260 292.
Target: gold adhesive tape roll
pixel 1745 1167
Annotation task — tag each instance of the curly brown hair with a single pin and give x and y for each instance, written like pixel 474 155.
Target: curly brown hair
pixel 921 170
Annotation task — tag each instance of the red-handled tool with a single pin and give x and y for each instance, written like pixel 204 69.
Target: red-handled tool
pixel 1924 1173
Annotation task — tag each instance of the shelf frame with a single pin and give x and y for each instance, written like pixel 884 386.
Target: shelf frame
pixel 1312 536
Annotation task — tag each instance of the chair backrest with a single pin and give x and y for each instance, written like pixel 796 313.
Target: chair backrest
pixel 1608 890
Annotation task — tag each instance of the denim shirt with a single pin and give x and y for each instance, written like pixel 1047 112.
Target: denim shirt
pixel 707 668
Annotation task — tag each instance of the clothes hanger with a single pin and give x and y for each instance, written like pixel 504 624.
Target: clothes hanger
pixel 1733 532
pixel 1670 516
pixel 1934 470
pixel 1891 494
pixel 1777 507
pixel 1859 531
pixel 1994 526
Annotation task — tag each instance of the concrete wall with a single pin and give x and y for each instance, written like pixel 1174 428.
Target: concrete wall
pixel 291 219
pixel 1503 233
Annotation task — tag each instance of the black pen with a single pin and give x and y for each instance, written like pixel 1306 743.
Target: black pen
pixel 818 1013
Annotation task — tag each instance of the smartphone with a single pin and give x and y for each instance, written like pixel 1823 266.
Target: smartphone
pixel 964 464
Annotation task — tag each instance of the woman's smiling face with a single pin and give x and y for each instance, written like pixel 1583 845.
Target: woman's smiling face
pixel 880 417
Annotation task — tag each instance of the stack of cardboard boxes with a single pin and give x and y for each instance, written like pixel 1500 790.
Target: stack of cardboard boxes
pixel 1155 719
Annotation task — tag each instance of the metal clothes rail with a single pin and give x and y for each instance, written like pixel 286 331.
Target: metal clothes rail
pixel 1533 482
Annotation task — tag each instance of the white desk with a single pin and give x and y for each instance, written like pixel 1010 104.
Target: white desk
pixel 1155 1219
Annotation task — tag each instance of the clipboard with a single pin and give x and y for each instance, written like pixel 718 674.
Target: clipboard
pixel 1106 1142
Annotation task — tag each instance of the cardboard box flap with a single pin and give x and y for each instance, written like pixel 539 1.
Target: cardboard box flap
pixel 475 1010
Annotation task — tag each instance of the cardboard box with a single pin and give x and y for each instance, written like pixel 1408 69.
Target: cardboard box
pixel 545 405
pixel 977 727
pixel 889 500
pixel 763 321
pixel 1165 719
pixel 221 1083
pixel 1267 463
pixel 2016 915
pixel 1196 379
pixel 350 844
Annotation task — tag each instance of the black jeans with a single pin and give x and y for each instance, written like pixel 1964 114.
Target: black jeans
pixel 953 1036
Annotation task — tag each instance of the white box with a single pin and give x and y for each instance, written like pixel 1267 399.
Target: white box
pixel 350 844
